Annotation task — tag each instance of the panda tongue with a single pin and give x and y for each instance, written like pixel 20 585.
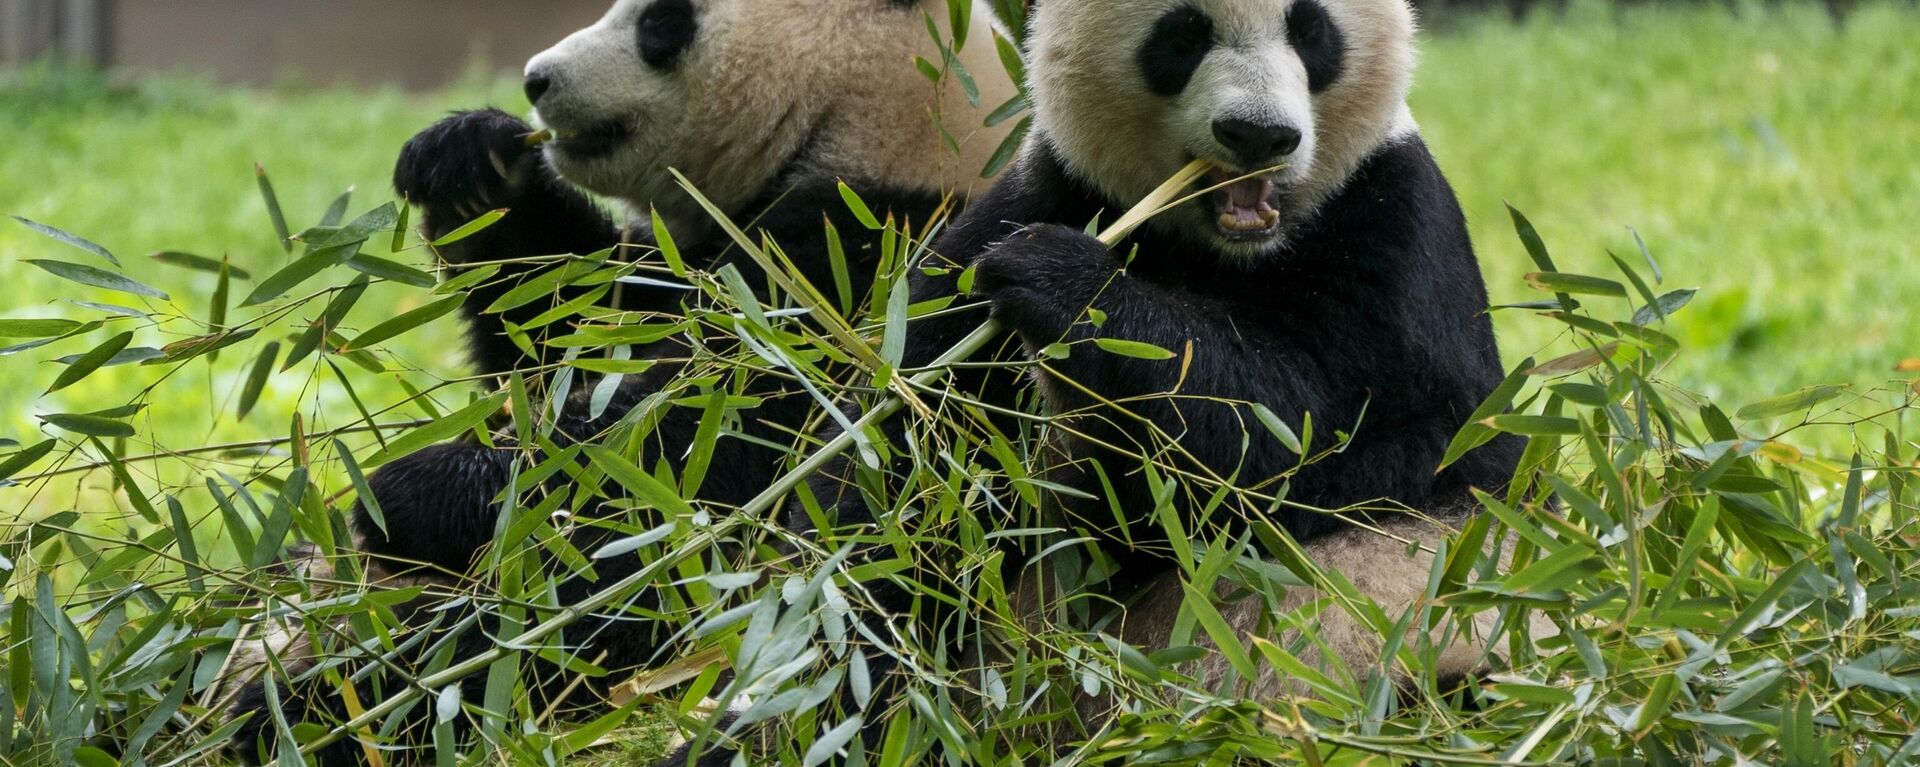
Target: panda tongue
pixel 1244 206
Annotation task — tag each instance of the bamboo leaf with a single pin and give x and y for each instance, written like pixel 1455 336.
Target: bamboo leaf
pixel 297 272
pixel 1796 402
pixel 274 213
pixel 36 328
pixel 257 378
pixel 89 425
pixel 91 361
pixel 447 427
pixel 859 206
pixel 70 239
pixel 1134 349
pixel 398 325
pixel 96 277
pixel 471 228
pixel 198 263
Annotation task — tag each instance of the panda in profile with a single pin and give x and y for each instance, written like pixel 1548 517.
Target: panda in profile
pixel 766 108
pixel 1330 274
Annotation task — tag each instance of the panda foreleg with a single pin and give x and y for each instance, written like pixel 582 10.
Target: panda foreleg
pixel 474 162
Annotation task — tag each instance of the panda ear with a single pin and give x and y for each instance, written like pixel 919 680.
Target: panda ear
pixel 902 5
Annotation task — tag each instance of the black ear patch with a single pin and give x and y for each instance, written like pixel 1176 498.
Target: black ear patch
pixel 666 30
pixel 1318 42
pixel 1180 40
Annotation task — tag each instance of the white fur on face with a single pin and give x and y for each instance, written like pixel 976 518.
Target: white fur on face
pixel 1092 100
pixel 761 81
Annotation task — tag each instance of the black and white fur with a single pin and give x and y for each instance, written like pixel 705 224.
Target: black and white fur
pixel 1341 284
pixel 765 107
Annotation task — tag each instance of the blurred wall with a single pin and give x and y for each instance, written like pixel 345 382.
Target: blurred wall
pixel 416 43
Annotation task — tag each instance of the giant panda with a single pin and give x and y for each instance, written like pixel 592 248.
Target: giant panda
pixel 766 108
pixel 1328 272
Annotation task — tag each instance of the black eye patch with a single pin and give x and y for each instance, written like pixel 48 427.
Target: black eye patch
pixel 666 30
pixel 1317 40
pixel 1179 42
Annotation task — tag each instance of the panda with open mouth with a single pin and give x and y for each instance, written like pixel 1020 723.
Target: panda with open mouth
pixel 1323 269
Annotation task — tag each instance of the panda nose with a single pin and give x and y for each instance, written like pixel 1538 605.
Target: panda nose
pixel 537 85
pixel 1256 143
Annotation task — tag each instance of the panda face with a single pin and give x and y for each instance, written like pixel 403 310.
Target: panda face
pixel 740 94
pixel 1282 97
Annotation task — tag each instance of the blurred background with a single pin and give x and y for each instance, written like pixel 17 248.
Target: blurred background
pixel 1767 153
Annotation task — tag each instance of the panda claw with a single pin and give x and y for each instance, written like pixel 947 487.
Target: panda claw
pixel 499 164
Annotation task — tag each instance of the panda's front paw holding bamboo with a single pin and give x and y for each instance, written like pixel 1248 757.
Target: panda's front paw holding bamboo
pixel 1044 278
pixel 466 165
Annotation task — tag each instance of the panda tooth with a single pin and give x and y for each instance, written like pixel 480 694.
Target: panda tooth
pixel 1269 217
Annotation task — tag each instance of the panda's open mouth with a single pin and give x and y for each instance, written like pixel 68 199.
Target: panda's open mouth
pixel 1244 206
pixel 594 142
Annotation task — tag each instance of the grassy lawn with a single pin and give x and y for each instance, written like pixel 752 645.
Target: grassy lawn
pixel 1770 161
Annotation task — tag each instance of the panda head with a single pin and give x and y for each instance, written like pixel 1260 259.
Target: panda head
pixel 1129 91
pixel 741 95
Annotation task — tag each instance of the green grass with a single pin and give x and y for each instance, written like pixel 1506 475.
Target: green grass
pixel 169 165
pixel 1770 161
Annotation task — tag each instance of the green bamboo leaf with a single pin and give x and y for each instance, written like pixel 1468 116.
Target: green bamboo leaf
pixel 338 209
pixel 1009 147
pixel 1581 284
pixel 1475 433
pixel 257 378
pixel 663 240
pixel 859 206
pixel 91 361
pixel 362 491
pixel 1224 637
pixel 1537 250
pixel 19 461
pixel 1664 306
pixel 222 297
pixel 322 327
pixel 1796 402
pixel 1277 427
pixel 96 277
pixel 399 242
pixel 1534 425
pixel 471 228
pixel 181 351
pixel 403 323
pixel 391 271
pixel 372 222
pixel 299 271
pixel 543 285
pixel 36 328
pixel 273 208
pixel 829 744
pixel 89 425
pixel 1134 349
pixel 198 263
pixel 452 425
pixel 644 486
pixel 69 238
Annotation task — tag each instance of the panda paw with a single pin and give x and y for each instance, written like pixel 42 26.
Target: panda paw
pixel 1043 278
pixel 465 165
